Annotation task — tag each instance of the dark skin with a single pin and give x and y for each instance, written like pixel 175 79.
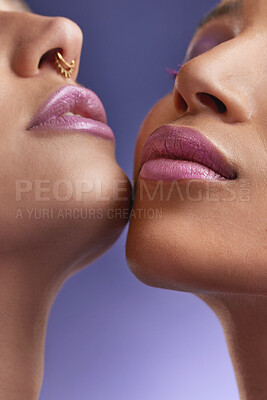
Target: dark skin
pixel 38 256
pixel 217 249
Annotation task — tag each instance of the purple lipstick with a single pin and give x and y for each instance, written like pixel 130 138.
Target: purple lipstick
pixel 177 152
pixel 72 108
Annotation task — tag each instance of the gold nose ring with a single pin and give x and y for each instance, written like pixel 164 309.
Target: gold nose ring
pixel 64 67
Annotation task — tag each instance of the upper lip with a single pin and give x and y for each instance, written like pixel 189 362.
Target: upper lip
pixel 70 98
pixel 186 143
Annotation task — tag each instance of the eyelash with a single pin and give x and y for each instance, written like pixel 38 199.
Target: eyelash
pixel 173 72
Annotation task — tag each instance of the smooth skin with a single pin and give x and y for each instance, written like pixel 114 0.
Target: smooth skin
pixel 38 254
pixel 216 247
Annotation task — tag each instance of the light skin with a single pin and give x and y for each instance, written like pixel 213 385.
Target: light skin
pixel 39 254
pixel 216 249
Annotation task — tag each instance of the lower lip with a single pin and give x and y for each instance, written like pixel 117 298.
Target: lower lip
pixel 75 123
pixel 173 170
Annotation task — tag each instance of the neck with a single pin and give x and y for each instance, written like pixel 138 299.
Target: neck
pixel 26 297
pixel 244 321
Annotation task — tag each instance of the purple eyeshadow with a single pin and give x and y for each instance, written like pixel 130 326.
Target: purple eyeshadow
pixel 205 44
pixel 202 46
pixel 208 42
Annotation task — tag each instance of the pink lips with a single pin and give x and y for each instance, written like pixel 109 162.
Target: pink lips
pixel 77 100
pixel 176 153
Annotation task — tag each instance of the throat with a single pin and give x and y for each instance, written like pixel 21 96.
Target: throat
pixel 244 321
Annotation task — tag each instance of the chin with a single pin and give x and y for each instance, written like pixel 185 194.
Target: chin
pixel 198 247
pixel 104 214
pixel 70 210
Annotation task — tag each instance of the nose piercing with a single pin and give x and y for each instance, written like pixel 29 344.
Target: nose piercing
pixel 64 67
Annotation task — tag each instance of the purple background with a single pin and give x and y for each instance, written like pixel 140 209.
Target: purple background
pixel 109 336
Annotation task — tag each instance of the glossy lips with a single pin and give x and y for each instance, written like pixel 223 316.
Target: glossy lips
pixel 76 100
pixel 176 153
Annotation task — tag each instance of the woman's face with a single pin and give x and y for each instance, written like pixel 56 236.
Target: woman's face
pixel 203 228
pixel 61 188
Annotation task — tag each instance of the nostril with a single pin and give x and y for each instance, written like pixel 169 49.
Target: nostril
pixel 49 56
pixel 212 102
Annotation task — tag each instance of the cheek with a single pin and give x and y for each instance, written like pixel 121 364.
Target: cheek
pixel 162 113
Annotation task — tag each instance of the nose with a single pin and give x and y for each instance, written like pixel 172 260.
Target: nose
pixel 218 82
pixel 35 40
